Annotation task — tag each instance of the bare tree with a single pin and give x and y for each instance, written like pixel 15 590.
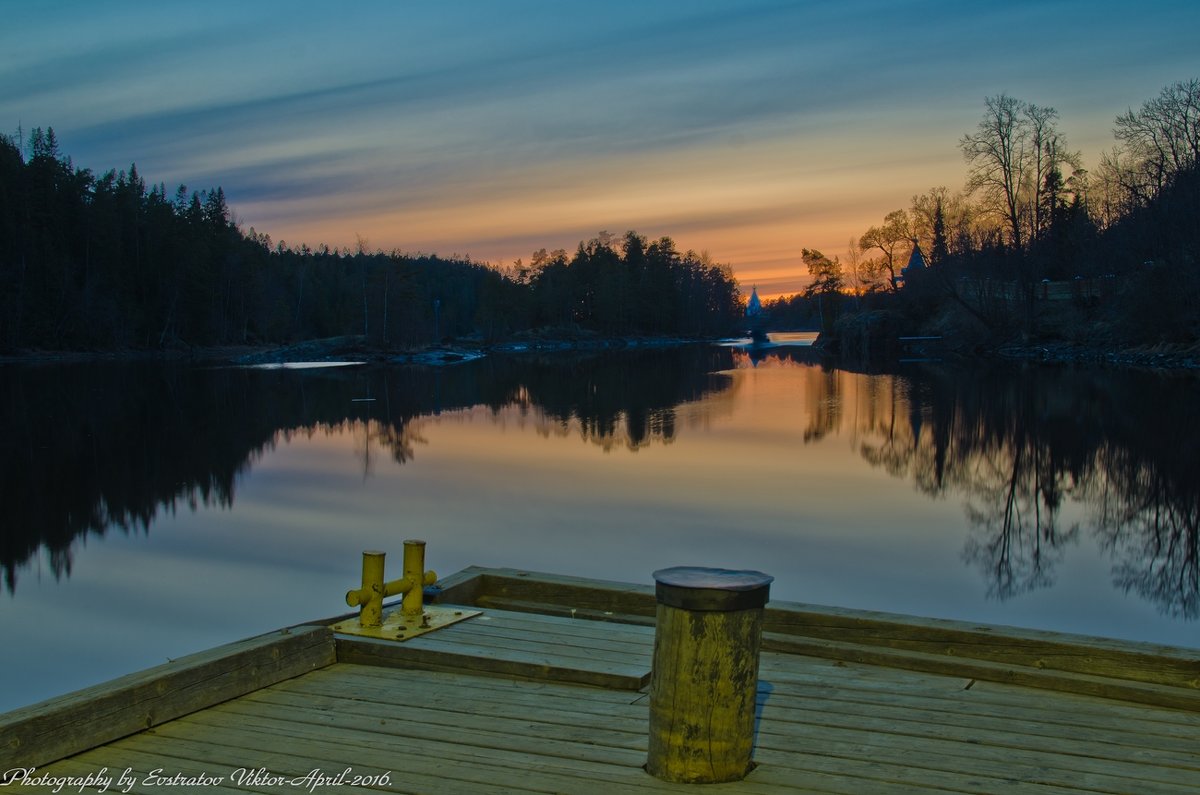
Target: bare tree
pixel 863 274
pixel 998 154
pixel 1161 139
pixel 1014 150
pixel 1116 188
pixel 1050 156
pixel 956 214
pixel 891 238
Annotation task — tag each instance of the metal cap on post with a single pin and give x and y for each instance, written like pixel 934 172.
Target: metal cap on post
pixel 705 676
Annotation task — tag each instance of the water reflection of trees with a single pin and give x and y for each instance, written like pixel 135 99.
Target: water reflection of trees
pixel 1153 531
pixel 1017 444
pixel 615 401
pixel 86 449
pixel 1147 507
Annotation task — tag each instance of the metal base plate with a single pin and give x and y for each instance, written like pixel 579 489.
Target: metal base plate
pixel 396 627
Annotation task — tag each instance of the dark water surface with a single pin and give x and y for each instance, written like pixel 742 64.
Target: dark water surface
pixel 151 511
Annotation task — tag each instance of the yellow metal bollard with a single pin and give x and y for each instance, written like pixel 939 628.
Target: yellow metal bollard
pixel 414 617
pixel 370 595
pixel 705 676
pixel 415 578
pixel 412 585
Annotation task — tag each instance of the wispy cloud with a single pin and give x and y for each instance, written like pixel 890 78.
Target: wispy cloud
pixel 752 129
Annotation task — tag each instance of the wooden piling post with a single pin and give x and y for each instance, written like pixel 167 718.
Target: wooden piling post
pixel 705 675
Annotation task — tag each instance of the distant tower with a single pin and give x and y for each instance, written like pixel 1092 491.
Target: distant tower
pixel 916 264
pixel 755 318
pixel 754 307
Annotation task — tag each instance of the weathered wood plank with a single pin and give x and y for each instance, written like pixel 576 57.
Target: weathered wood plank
pixel 568 653
pixel 581 593
pixel 1065 681
pixel 1142 725
pixel 882 772
pixel 624 637
pixel 1110 750
pixel 1054 718
pixel 585 598
pixel 522 645
pixel 1139 717
pixel 501 756
pixel 223 755
pixel 535 720
pixel 296 706
pixel 569 641
pixel 1082 768
pixel 462 587
pixel 437 689
pixel 1142 662
pixel 615 727
pixel 75 722
pixel 513 746
pixel 563 610
pixel 427 652
pixel 383 679
pixel 867 676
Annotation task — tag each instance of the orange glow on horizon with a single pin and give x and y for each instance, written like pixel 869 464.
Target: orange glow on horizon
pixel 753 208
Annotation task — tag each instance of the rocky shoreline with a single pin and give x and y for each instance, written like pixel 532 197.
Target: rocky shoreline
pixel 352 348
pixel 1172 357
pixel 357 349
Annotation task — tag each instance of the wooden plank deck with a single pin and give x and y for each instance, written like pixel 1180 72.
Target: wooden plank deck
pixel 1142 672
pixel 522 702
pixel 521 644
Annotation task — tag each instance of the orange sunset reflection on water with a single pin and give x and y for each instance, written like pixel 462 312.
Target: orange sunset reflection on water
pixel 767 472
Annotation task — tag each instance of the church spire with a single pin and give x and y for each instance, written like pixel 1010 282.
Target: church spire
pixel 753 306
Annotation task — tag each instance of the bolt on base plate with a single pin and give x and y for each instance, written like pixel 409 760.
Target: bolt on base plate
pixel 396 626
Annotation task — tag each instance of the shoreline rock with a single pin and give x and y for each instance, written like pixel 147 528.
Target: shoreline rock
pixel 1158 357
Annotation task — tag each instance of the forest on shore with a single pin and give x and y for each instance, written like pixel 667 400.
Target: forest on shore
pixel 106 263
pixel 1035 249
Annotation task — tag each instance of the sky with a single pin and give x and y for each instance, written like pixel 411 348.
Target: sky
pixel 746 129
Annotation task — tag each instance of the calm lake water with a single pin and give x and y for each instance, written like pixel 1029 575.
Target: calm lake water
pixel 152 511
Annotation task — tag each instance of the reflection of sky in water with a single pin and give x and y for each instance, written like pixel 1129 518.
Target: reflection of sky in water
pixel 738 486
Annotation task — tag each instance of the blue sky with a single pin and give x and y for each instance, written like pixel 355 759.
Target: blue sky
pixel 490 129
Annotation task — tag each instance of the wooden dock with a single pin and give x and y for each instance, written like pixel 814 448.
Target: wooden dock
pixel 545 691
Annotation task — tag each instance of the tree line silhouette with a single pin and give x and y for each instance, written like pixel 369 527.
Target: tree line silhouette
pixel 1034 247
pixel 106 262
